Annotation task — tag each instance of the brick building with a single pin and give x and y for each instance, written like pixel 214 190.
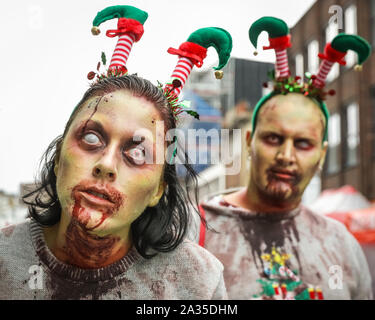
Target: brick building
pixel 351 153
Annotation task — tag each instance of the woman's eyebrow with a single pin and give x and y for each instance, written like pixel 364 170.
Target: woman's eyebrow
pixel 93 124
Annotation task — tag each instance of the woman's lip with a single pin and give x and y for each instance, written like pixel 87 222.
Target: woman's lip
pixel 96 200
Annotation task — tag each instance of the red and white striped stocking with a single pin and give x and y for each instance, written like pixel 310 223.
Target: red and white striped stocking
pixel 122 50
pixel 324 69
pixel 181 72
pixel 282 67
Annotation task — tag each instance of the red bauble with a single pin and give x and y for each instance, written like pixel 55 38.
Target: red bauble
pixel 331 92
pixel 91 75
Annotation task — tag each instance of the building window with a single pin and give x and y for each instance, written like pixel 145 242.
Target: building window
pixel 352 136
pixel 332 31
pixel 334 140
pixel 299 65
pixel 312 56
pixel 351 28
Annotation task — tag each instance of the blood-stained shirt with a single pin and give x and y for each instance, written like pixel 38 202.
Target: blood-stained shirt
pixel 28 270
pixel 292 255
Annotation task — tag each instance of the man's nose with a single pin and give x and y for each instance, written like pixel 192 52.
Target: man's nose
pixel 286 153
pixel 106 166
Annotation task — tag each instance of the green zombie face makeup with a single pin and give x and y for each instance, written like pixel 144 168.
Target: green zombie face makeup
pixel 286 148
pixel 103 180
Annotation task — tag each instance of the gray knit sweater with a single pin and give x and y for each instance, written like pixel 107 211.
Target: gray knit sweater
pixel 28 270
pixel 296 255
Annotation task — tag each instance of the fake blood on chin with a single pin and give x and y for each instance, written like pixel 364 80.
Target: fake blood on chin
pixel 101 198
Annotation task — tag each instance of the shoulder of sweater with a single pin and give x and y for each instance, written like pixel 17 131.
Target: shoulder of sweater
pixel 322 221
pixel 194 253
pixel 14 232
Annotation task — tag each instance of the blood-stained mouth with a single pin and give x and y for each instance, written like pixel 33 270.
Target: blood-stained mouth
pixel 88 196
pixel 100 197
pixel 97 197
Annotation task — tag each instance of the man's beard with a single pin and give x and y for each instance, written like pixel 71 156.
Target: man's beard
pixel 280 191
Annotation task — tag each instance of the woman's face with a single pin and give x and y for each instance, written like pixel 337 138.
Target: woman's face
pixel 103 180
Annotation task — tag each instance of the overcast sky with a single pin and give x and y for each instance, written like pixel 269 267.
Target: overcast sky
pixel 47 50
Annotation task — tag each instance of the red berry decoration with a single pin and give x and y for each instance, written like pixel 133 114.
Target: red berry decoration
pixel 91 75
pixel 176 83
pixel 265 85
pixel 331 92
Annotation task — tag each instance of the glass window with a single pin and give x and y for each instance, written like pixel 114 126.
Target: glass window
pixel 352 138
pixel 332 30
pixel 312 56
pixel 334 140
pixel 299 65
pixel 351 28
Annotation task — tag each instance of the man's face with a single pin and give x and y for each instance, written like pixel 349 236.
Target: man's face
pixel 286 148
pixel 102 181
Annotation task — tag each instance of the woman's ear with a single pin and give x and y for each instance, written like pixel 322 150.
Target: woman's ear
pixel 56 168
pixel 156 198
pixel 57 158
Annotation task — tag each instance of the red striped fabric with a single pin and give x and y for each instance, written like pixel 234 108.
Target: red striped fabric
pixel 122 50
pixel 282 67
pixel 182 72
pixel 324 69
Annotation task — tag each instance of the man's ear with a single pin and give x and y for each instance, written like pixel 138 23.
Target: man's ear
pixel 248 137
pixel 156 198
pixel 323 154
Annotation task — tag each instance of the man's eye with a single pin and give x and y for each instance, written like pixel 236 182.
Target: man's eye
pixel 302 144
pixel 91 138
pixel 136 155
pixel 273 139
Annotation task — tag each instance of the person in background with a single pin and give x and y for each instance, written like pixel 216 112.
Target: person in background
pixel 273 247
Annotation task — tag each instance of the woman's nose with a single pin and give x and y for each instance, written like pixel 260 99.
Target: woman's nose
pixel 105 168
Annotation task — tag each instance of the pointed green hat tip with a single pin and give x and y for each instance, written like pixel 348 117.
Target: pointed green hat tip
pixel 275 28
pixel 344 42
pixel 215 37
pixel 120 12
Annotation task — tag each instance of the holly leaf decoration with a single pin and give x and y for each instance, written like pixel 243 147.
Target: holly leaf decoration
pixel 193 113
pixel 104 59
pixel 271 74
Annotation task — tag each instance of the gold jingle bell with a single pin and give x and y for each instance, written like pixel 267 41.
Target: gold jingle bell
pixel 255 53
pixel 219 74
pixel 358 68
pixel 95 31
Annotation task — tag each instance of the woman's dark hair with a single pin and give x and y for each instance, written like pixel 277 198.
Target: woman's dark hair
pixel 160 228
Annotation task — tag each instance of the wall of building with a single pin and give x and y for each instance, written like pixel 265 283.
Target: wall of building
pixel 350 87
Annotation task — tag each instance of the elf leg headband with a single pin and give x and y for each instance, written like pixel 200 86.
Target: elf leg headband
pixel 284 83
